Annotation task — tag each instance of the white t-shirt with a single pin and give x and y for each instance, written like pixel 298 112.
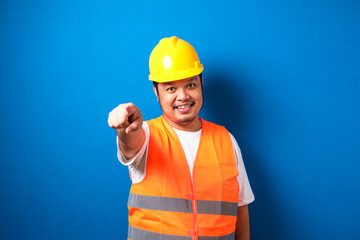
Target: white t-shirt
pixel 190 143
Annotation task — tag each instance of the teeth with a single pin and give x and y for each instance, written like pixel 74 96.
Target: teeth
pixel 183 107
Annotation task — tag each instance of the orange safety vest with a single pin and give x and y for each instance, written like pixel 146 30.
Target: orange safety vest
pixel 169 205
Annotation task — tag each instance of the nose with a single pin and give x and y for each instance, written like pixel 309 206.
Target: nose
pixel 182 94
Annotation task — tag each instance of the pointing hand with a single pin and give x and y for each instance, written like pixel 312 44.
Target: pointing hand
pixel 126 117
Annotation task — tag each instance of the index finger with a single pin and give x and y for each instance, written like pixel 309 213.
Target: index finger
pixel 131 108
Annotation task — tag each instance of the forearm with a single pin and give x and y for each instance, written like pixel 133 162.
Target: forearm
pixel 242 224
pixel 127 120
pixel 130 143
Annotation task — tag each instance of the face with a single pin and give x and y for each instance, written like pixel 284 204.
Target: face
pixel 181 102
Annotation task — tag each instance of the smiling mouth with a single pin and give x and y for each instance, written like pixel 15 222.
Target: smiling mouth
pixel 184 106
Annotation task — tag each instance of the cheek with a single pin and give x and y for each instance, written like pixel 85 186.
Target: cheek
pixel 166 101
pixel 199 97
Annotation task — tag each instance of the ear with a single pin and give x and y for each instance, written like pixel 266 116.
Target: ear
pixel 156 93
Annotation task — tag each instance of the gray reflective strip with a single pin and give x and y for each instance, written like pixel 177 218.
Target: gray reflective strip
pixel 160 203
pixel 231 236
pixel 182 205
pixel 216 207
pixel 140 234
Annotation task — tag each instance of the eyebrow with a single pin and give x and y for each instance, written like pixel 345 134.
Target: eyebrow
pixel 191 79
pixel 165 84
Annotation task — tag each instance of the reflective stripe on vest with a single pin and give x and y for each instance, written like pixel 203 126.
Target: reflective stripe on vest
pixel 182 205
pixel 140 234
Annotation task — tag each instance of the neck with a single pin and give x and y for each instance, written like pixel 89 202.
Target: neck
pixel 192 126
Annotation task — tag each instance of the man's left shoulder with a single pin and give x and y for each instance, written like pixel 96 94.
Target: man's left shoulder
pixel 214 126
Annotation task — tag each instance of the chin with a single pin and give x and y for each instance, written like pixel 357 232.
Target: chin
pixel 186 120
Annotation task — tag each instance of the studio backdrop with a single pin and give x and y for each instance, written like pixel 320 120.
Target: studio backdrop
pixel 282 76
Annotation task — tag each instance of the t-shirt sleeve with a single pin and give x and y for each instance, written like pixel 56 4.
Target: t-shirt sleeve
pixel 246 195
pixel 136 164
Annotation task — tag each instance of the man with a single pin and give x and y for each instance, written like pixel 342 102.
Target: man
pixel 188 177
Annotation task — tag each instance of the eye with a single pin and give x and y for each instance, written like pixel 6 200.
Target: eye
pixel 170 89
pixel 191 85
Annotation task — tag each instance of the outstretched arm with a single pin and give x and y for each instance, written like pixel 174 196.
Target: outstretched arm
pixel 127 120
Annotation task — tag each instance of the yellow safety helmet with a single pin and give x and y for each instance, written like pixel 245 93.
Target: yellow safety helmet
pixel 173 59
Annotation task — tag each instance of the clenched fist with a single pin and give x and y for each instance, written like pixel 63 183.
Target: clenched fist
pixel 126 117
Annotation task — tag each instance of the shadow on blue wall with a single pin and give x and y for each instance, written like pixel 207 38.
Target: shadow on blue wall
pixel 227 104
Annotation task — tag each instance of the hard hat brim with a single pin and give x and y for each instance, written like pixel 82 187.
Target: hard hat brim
pixel 174 76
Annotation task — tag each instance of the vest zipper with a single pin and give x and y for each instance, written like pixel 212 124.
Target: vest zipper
pixel 193 200
pixel 195 237
pixel 194 210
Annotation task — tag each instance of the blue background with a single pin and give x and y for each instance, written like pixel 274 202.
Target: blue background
pixel 282 76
